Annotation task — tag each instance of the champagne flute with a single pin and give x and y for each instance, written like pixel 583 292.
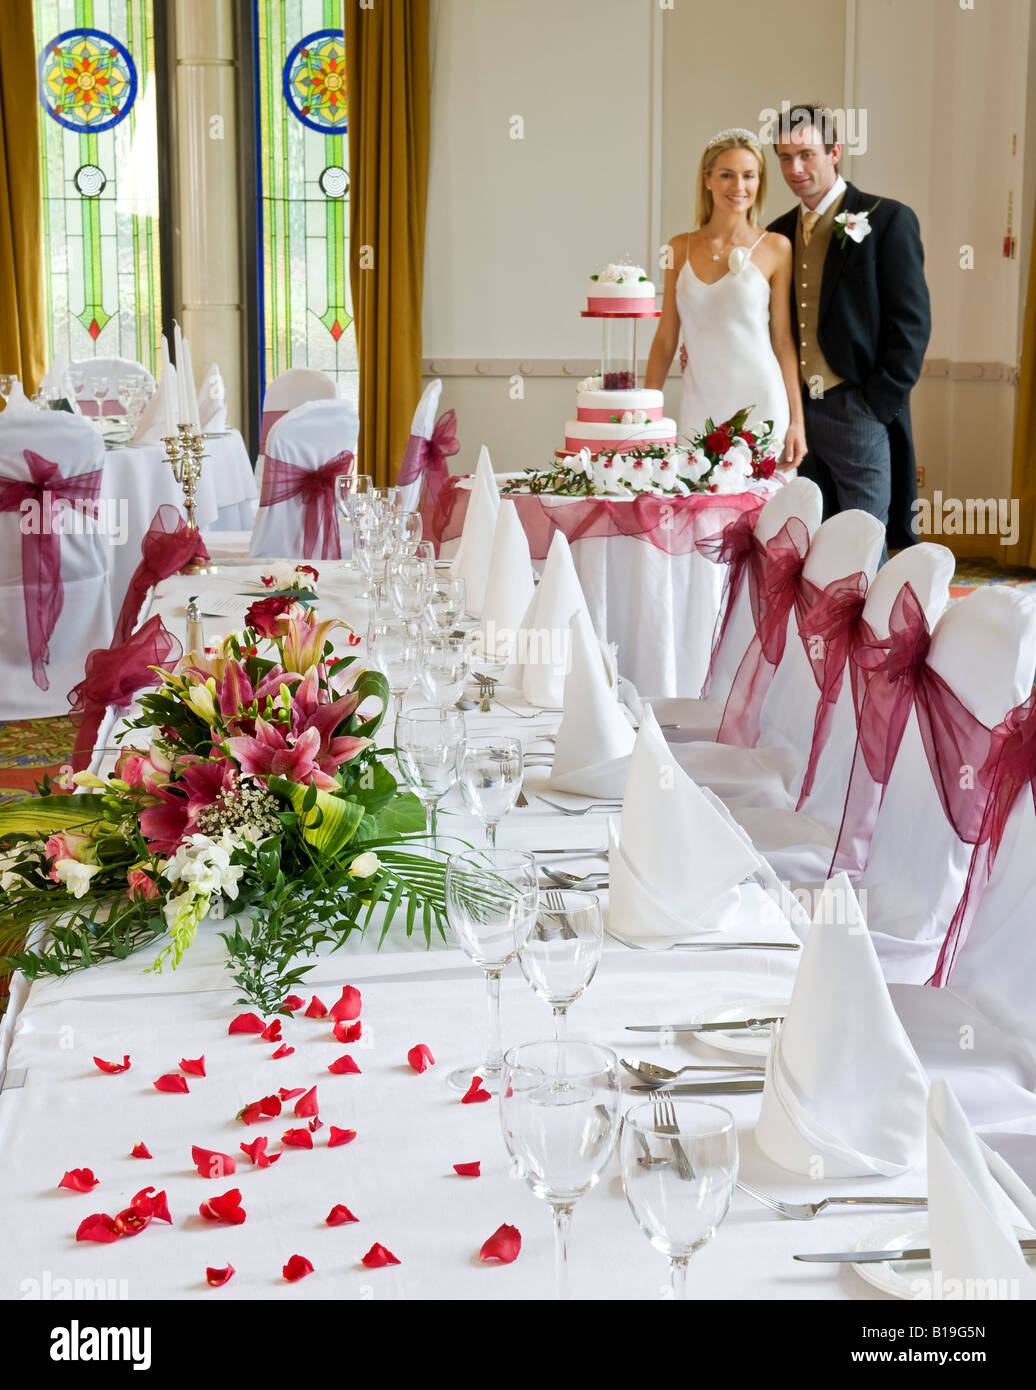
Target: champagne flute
pixel 344 484
pixel 490 768
pixel 395 654
pixel 679 1179
pixel 489 893
pixel 560 949
pixel 426 751
pixel 559 1109
pixel 99 388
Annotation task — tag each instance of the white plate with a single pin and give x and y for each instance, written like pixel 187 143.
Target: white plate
pixel 754 1044
pixel 899 1277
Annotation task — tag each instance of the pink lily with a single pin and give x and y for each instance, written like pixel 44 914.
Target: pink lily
pixel 199 784
pixel 306 639
pixel 269 754
pixel 309 712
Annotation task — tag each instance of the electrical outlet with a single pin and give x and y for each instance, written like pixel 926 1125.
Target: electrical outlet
pixel 920 475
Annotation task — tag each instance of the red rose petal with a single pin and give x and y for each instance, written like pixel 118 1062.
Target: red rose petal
pixel 211 1163
pixel 308 1104
pixel 316 1009
pixel 474 1093
pixel 79 1180
pixel 348 1007
pixel 344 1064
pixel 270 1105
pixel 251 1114
pixel 297 1268
pixel 339 1216
pixel 346 1032
pixel 377 1256
pixel 226 1207
pixel 290 1095
pixel 156 1206
pixel 336 1137
pixel 132 1221
pixel 502 1247
pixel 113 1068
pixel 266 1159
pixel 140 1151
pixel 315 1124
pixel 282 1051
pixel 218 1277
pixel 255 1148
pixel 292 1003
pixel 297 1139
pixel 469 1170
pixel 195 1067
pixel 98 1227
pixel 171 1082
pixel 247 1023
pixel 420 1057
pixel 272 1031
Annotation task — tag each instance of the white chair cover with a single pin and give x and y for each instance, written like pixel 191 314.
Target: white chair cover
pixel 110 369
pixel 423 424
pixel 308 438
pixel 86 619
pixel 292 388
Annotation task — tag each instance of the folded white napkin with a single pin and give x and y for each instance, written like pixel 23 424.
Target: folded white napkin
pixel 509 586
pixel 595 739
pixel 212 400
pixel 18 400
pixel 547 656
pixel 151 428
pixel 674 863
pixel 471 562
pixel 845 1094
pixel 59 378
pixel 970 1219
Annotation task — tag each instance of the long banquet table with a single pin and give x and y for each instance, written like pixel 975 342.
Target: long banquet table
pixel 58 1112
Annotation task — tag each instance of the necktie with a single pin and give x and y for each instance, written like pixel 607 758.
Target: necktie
pixel 809 221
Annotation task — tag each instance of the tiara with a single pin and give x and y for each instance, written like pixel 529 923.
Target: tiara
pixel 737 131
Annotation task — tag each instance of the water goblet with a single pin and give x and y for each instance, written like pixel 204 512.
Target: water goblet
pixel 408 583
pixel 560 950
pixel 395 654
pixel 426 751
pixel 446 602
pixel 100 385
pixel 489 772
pixel 445 667
pixel 678 1160
pixel 489 893
pixel 406 528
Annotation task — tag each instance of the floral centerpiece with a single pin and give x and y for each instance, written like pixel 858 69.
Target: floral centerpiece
pixel 257 789
pixel 724 459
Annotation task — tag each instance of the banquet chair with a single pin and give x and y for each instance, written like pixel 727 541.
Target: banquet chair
pixel 55 453
pixel 292 388
pixel 701 718
pixel 421 428
pixel 110 369
pixel 309 448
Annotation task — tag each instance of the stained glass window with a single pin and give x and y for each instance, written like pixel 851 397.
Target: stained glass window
pixel 303 186
pixel 98 135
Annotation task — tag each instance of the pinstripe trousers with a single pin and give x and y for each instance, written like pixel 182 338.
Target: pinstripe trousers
pixel 849 457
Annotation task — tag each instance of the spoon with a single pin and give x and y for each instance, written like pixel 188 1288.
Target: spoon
pixel 649 1071
pixel 567 880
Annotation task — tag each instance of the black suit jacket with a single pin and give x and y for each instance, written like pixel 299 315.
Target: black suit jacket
pixel 874 325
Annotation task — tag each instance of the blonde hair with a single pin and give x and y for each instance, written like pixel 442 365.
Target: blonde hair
pixel 733 140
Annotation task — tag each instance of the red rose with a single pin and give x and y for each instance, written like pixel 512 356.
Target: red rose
pixel 718 442
pixel 266 616
pixel 749 438
pixel 765 467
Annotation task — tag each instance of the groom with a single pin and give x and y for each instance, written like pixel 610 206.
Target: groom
pixel 860 313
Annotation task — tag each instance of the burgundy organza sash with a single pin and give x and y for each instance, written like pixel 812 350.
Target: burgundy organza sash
pixel 896 679
pixel 315 489
pixel 169 546
pixel 737 548
pixel 773 597
pixel 1007 771
pixel 113 676
pixel 832 628
pixel 266 423
pixel 44 592
pixel 426 458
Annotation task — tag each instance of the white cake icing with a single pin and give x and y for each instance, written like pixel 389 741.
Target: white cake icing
pixel 606 435
pixel 619 401
pixel 630 289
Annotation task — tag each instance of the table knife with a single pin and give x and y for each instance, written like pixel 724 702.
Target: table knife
pixel 736 946
pixel 702 1088
pixel 752 1024
pixel 870 1257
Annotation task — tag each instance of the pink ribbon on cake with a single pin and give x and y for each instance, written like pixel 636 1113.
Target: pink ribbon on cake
pixel 43 591
pixel 315 490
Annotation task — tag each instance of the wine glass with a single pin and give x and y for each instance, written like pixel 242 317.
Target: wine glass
pixel 489 893
pixel 406 528
pixel 99 388
pixel 489 771
pixel 343 488
pixel 377 539
pixel 425 550
pixel 408 585
pixel 559 951
pixel 446 602
pixel 77 377
pixel 426 751
pixel 395 653
pixel 445 667
pixel 678 1177
pixel 559 1109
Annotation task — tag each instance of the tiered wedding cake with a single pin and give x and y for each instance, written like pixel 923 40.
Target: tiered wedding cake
pixel 612 414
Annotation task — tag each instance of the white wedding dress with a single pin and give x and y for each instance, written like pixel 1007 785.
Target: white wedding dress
pixel 730 360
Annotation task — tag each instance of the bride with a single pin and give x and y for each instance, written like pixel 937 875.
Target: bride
pixel 728 292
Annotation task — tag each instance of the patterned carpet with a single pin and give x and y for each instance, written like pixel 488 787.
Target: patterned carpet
pixel 972 574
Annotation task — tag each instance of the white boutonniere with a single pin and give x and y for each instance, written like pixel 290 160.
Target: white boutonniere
pixel 854 226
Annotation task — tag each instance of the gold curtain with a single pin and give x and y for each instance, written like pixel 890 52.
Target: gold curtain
pixel 23 333
pixel 1023 471
pixel 386 46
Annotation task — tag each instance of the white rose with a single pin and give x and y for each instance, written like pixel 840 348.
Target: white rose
pixel 640 417
pixel 75 876
pixel 364 865
pixel 590 383
pixel 627 417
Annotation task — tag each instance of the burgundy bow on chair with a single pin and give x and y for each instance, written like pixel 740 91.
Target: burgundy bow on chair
pixel 113 676
pixel 737 548
pixel 315 487
pixel 427 458
pixel 894 678
pixel 41 545
pixel 169 546
pixel 773 597
pixel 1007 771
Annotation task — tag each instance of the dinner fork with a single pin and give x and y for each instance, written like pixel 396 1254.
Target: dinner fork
pixel 581 810
pixel 805 1211
pixel 665 1123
